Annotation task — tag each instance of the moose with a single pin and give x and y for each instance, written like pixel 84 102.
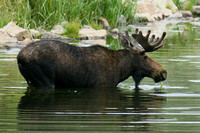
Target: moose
pixel 55 64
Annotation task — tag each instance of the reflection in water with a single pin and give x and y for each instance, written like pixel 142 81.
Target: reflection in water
pixel 85 110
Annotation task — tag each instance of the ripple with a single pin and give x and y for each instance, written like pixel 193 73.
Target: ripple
pixel 177 95
pixel 8 59
pixel 177 60
pixel 191 56
pixel 194 81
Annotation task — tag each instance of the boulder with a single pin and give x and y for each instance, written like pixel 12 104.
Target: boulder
pixel 88 33
pixel 163 4
pixel 95 42
pixel 58 29
pixel 176 15
pixel 17 32
pixel 104 22
pixel 26 41
pixel 35 33
pixel 146 7
pixel 144 17
pixel 186 14
pixel 52 36
pixel 152 10
pixel 196 10
pixel 5 38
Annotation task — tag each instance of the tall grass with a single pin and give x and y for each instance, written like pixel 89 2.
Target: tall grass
pixel 47 13
pixel 185 5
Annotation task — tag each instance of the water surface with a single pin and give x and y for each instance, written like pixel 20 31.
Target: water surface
pixel 173 108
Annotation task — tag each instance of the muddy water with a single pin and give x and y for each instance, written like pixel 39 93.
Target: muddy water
pixel 173 106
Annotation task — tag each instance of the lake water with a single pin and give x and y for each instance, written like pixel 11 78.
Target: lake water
pixel 173 106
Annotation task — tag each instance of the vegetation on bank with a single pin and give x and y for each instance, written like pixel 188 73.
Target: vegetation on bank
pixel 47 13
pixel 185 5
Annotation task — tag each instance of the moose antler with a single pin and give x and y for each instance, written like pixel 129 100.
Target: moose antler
pixel 151 44
pixel 129 43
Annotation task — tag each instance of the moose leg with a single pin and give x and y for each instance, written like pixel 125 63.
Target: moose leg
pixel 137 80
pixel 36 76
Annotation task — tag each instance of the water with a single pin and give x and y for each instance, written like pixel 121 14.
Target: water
pixel 174 107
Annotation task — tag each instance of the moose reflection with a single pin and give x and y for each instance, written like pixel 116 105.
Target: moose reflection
pixel 49 64
pixel 71 109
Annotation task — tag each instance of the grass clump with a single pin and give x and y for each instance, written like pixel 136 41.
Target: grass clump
pixel 96 26
pixel 189 5
pixel 47 13
pixel 72 29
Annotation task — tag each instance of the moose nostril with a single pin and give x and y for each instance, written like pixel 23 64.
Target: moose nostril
pixel 164 75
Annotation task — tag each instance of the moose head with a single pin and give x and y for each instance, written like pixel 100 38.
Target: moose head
pixel 143 65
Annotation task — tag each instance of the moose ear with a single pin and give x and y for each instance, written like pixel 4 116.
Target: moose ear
pixel 124 41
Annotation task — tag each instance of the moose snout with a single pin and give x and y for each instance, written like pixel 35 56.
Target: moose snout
pixel 163 75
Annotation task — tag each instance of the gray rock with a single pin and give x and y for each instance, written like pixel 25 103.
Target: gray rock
pixel 5 38
pixel 17 32
pixel 88 33
pixel 52 36
pixel 186 14
pixel 196 10
pixel 35 33
pixel 104 22
pixel 121 21
pixel 58 29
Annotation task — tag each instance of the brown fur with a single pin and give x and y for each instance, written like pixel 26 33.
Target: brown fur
pixel 48 64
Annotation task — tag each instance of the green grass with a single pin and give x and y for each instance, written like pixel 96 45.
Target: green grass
pixel 72 29
pixel 47 13
pixel 178 3
pixel 188 4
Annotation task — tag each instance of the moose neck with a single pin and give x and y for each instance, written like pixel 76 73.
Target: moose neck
pixel 125 65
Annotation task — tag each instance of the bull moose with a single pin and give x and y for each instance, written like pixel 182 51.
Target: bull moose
pixel 54 64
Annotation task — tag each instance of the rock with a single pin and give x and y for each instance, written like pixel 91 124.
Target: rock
pixel 152 10
pixel 52 36
pixel 144 17
pixel 64 23
pixel 25 41
pixel 58 29
pixel 121 21
pixel 35 33
pixel 88 33
pixel 17 32
pixel 186 14
pixel 176 15
pixel 114 31
pixel 163 4
pixel 5 38
pixel 146 7
pixel 165 12
pixel 104 22
pixel 196 10
pixel 95 42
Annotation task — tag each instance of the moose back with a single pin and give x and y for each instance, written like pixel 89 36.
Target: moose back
pixel 54 64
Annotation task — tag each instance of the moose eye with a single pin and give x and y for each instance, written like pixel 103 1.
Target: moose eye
pixel 145 57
